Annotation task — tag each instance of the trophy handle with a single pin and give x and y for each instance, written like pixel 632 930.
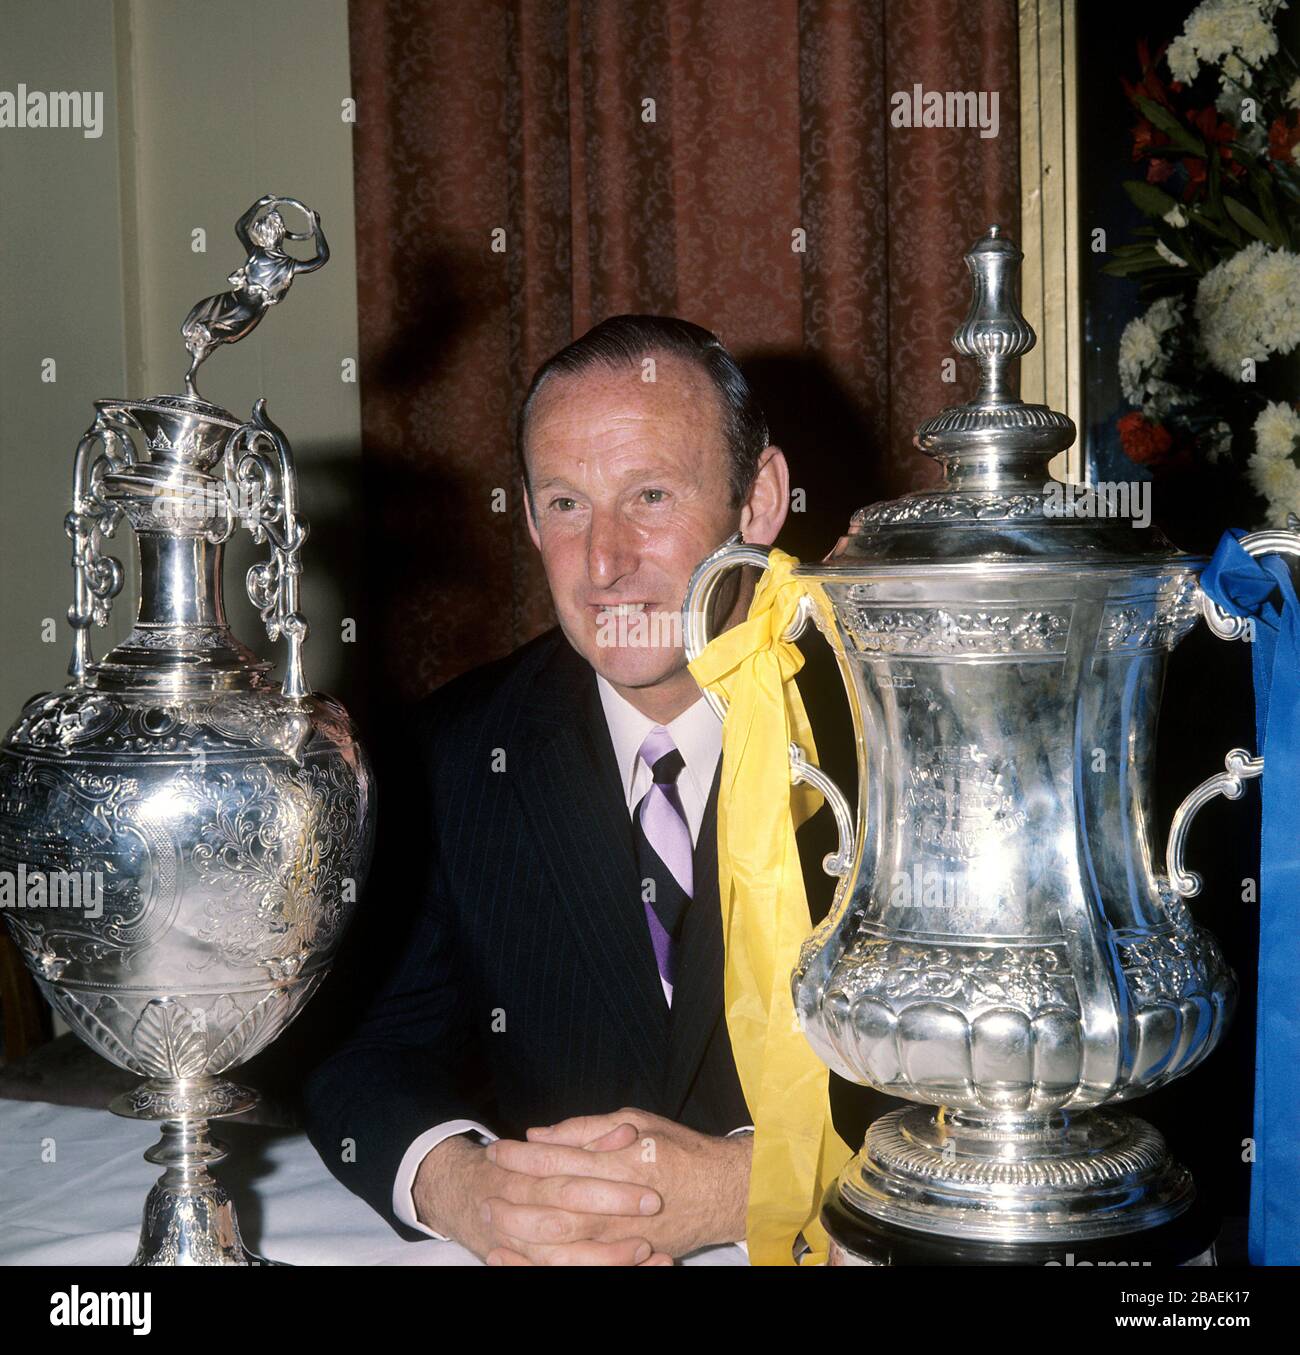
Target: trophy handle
pixel 699 601
pixel 97 576
pixel 262 487
pixel 1239 766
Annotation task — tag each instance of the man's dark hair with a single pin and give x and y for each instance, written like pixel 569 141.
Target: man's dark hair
pixel 625 340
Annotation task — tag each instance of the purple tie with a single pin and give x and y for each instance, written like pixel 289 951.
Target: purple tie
pixel 664 851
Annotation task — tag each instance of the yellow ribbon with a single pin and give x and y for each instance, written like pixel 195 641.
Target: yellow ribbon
pixel 797 1153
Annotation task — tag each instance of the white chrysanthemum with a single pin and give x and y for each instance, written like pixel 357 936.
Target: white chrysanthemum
pixel 1176 217
pixel 1234 69
pixel 1276 268
pixel 1277 430
pixel 1253 36
pixel 1219 283
pixel 1278 481
pixel 1234 77
pixel 1276 285
pixel 1144 351
pixel 1165 316
pixel 1182 60
pixel 1218 32
pixel 1139 351
pixel 1169 256
pixel 1248 306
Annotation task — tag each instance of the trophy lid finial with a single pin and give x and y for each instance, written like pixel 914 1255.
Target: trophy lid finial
pixel 996 423
pixel 994 332
pixel 997 504
pixel 257 284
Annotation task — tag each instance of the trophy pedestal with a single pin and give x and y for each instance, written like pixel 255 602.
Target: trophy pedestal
pixel 189 1218
pixel 1015 1190
pixel 856 1240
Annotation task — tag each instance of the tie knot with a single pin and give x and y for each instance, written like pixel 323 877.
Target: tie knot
pixel 666 769
pixel 659 753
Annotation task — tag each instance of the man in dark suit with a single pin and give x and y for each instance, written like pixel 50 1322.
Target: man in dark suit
pixel 562 987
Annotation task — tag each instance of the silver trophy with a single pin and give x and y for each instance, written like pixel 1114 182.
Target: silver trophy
pixel 1002 948
pixel 227 818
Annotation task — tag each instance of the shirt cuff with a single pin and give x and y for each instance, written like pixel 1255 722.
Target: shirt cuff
pixel 744 1129
pixel 403 1198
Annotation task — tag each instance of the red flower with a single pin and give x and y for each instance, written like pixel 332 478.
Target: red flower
pixel 1196 177
pixel 1145 442
pixel 1146 138
pixel 1150 86
pixel 1217 134
pixel 1212 128
pixel 1159 170
pixel 1283 137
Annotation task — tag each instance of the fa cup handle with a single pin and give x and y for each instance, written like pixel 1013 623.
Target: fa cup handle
pixel 1239 766
pixel 699 602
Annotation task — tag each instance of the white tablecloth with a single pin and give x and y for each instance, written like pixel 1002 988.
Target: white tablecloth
pixel 84 1206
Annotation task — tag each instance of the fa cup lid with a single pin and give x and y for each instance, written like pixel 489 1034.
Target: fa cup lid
pixel 998 504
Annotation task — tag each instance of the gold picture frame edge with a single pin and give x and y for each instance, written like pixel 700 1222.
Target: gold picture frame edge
pixel 1052 374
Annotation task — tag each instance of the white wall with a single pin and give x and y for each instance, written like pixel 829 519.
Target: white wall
pixel 207 104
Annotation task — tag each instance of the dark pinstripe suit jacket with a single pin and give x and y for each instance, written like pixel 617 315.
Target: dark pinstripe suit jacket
pixel 528 990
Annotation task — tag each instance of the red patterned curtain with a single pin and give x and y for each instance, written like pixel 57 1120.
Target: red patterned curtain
pixel 524 169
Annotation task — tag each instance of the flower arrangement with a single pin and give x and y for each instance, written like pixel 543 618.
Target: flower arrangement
pixel 1218 261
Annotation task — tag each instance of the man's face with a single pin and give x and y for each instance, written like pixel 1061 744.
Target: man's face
pixel 630 491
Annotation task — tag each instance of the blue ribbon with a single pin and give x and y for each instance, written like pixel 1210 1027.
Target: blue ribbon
pixel 1261 589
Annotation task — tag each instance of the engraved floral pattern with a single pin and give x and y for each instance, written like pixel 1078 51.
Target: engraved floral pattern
pixel 62 720
pixel 945 507
pixel 1172 966
pixel 178 637
pixel 168 844
pixel 63 816
pixel 1030 978
pixel 283 840
pixel 1159 623
pixel 938 630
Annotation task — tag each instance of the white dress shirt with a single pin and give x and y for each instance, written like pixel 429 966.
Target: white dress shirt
pixel 697 732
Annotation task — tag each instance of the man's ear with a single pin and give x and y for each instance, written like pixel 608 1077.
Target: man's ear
pixel 528 512
pixel 763 513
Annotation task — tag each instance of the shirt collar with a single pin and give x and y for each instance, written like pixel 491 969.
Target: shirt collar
pixel 697 732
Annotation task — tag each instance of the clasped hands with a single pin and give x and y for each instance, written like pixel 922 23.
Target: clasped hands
pixel 627 1188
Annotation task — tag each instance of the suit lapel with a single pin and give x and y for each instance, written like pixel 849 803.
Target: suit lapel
pixel 570 791
pixel 697 994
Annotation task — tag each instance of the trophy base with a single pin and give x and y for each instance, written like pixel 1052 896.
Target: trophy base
pixel 193 1224
pixel 1014 1179
pixel 856 1240
pixel 189 1218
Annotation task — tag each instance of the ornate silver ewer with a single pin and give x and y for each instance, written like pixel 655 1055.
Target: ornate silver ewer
pixel 228 819
pixel 1002 949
